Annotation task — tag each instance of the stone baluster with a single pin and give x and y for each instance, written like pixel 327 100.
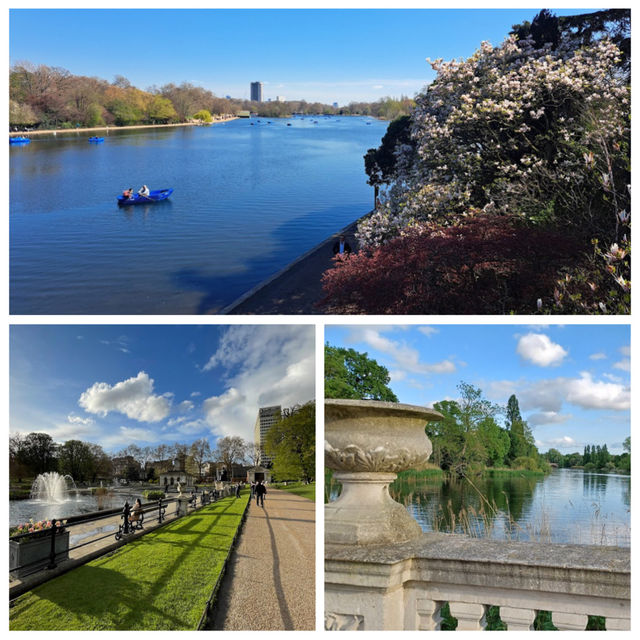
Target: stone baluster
pixel 429 614
pixel 470 616
pixel 617 624
pixel 518 619
pixel 366 443
pixel 569 621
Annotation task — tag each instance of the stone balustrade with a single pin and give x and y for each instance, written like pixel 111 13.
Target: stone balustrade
pixel 403 586
pixel 383 573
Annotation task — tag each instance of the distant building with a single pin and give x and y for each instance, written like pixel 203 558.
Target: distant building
pixel 267 417
pixel 280 99
pixel 335 105
pixel 256 91
pixel 243 114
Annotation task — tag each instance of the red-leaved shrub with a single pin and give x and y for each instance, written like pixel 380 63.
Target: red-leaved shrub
pixel 484 264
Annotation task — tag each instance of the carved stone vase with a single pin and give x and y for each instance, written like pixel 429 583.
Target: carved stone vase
pixel 366 443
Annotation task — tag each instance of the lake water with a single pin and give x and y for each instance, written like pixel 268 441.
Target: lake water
pixel 250 197
pixel 566 506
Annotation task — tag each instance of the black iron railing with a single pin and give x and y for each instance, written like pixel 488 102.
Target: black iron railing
pixel 60 533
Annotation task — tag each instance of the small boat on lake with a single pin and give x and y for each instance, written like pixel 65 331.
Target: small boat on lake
pixel 19 140
pixel 96 139
pixel 136 198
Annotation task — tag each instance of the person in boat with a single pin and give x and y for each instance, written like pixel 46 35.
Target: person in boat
pixel 128 193
pixel 144 191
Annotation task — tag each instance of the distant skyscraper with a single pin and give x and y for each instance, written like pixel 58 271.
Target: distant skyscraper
pixel 256 91
pixel 267 417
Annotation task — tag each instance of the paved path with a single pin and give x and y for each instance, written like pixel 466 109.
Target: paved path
pixel 270 580
pixel 297 288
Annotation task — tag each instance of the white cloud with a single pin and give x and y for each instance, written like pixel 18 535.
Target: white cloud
pixel 538 349
pixel 428 331
pixel 598 356
pixel 565 442
pixel 403 357
pixel 185 405
pixel 266 365
pixel 625 351
pixel 74 419
pixel 590 394
pixel 584 392
pixel 127 435
pixel 133 397
pixel 547 417
pixel 195 394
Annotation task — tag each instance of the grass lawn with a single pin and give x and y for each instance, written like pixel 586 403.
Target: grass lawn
pixel 161 581
pixel 300 489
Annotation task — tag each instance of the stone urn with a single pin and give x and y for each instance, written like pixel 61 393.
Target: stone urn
pixel 366 443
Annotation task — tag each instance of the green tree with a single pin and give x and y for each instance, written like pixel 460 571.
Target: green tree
pixel 350 374
pixel 291 442
pixel 39 453
pixel 76 459
pixel 203 115
pixel 380 163
pixel 553 455
pixel 160 110
pixel 522 443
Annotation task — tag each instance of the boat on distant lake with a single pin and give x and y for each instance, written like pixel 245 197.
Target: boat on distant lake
pixel 136 198
pixel 96 139
pixel 19 140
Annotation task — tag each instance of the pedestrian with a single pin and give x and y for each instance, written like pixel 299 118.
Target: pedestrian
pixel 261 490
pixel 238 490
pixel 253 488
pixel 341 247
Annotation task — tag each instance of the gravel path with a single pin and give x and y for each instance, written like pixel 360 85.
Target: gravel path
pixel 270 580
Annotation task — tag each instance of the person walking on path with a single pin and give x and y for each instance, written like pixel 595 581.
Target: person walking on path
pixel 275 559
pixel 261 490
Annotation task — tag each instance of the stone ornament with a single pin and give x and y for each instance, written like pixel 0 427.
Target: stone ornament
pixel 366 443
pixel 343 622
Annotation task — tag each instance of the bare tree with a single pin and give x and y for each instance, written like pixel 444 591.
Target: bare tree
pixel 230 450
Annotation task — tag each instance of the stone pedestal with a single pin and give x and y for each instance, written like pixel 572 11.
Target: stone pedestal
pixel 366 444
pixel 182 503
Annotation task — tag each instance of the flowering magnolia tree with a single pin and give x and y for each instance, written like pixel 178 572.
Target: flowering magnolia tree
pixel 537 133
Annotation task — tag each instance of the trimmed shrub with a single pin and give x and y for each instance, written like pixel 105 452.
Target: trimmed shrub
pixel 153 494
pixel 482 264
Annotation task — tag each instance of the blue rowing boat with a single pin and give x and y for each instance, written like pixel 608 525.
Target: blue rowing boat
pixel 96 139
pixel 19 140
pixel 154 196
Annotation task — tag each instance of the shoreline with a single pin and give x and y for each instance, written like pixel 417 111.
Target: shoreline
pixel 40 132
pixel 297 287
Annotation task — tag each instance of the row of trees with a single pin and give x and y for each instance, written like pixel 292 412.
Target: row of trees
pixel 594 457
pixel 513 170
pixel 37 453
pixel 52 97
pixel 470 436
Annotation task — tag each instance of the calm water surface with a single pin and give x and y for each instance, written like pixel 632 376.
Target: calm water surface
pixel 249 199
pixel 566 506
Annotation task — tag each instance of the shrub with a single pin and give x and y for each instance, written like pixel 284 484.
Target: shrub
pixel 526 463
pixel 481 264
pixel 153 494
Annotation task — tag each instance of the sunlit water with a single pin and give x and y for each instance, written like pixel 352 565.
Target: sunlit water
pixel 248 200
pixel 566 506
pixel 73 505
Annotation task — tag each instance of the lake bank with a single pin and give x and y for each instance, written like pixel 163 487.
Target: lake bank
pixel 41 132
pixel 297 288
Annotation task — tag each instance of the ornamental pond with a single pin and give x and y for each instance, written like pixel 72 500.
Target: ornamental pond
pixel 250 197
pixel 565 506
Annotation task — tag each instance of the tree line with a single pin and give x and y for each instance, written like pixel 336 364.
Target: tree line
pixel 290 442
pixel 46 97
pixel 595 457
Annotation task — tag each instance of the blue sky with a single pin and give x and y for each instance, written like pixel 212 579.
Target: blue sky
pixel 571 381
pixel 327 55
pixel 150 384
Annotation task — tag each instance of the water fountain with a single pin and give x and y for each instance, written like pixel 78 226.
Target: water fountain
pixel 52 487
